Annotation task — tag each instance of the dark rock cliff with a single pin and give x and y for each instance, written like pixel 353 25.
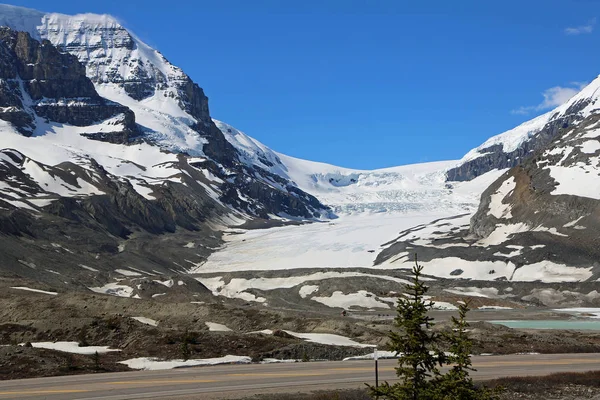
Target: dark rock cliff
pixel 37 79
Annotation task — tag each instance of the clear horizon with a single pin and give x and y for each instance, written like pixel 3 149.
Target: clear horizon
pixel 369 86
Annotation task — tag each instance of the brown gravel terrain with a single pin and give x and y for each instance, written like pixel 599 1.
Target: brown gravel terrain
pixel 101 320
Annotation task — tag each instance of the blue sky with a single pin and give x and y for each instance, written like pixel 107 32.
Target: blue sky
pixel 369 83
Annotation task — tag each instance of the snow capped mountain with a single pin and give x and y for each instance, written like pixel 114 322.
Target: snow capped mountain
pixel 536 222
pixel 167 104
pixel 105 144
pixel 417 188
pixel 539 221
pixel 170 110
pixel 510 148
pixel 110 159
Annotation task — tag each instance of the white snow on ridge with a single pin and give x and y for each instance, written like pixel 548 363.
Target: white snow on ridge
pixel 252 151
pixel 169 125
pixel 20 18
pixel 590 147
pixel 504 232
pixel 513 138
pixel 168 283
pixel 53 144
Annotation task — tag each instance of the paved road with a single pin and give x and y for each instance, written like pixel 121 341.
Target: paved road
pixel 234 381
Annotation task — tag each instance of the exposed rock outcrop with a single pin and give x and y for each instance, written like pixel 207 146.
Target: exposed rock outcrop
pixel 37 80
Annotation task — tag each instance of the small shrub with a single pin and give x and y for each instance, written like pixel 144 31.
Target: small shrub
pixel 96 359
pixel 184 348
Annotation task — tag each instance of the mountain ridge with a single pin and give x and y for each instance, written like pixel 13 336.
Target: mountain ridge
pixel 186 172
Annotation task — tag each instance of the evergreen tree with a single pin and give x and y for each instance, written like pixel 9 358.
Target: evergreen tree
pixel 456 384
pixel 416 344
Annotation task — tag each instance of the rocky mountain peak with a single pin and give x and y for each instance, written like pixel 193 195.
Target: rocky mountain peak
pixel 512 147
pixel 38 81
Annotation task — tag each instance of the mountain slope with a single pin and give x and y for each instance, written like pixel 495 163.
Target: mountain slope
pixel 417 188
pixel 170 110
pixel 109 158
pixel 540 220
pixel 110 162
pixel 510 148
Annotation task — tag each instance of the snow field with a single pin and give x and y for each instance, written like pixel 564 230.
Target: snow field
pixel 237 287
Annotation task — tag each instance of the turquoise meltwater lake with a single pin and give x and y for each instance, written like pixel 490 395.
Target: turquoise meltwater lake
pixel 590 325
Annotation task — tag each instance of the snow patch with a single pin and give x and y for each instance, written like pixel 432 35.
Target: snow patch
pixel 146 321
pixel 33 290
pixel 114 289
pixel 307 290
pixel 360 299
pixel 73 347
pixel 328 338
pixel 497 208
pixel 127 272
pixel 154 364
pixel 215 327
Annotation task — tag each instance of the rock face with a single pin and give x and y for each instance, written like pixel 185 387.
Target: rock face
pixel 109 53
pixel 555 191
pixel 114 58
pixel 38 80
